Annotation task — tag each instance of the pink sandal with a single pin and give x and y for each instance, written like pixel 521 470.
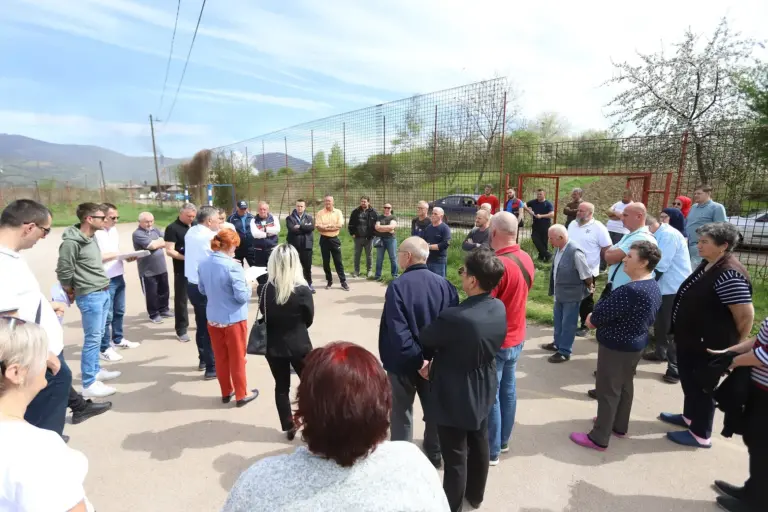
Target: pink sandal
pixel 582 439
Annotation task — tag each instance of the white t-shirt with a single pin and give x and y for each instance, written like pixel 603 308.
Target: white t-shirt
pixel 108 240
pixel 38 471
pixel 18 285
pixel 591 237
pixel 197 247
pixel 616 226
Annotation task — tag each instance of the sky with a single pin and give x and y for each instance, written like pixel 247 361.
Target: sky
pixel 92 71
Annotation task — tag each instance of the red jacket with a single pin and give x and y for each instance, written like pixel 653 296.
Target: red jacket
pixel 513 292
pixel 491 200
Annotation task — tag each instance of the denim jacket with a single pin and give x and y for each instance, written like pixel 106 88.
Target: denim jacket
pixel 222 280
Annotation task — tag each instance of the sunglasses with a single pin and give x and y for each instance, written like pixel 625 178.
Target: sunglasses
pixel 387 207
pixel 114 218
pixel 46 231
pixel 677 204
pixel 462 270
pixel 102 217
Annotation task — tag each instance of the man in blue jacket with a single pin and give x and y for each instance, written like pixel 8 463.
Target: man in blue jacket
pixel 412 302
pixel 438 237
pixel 241 219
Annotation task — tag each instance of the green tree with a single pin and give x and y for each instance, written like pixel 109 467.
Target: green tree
pixel 319 162
pixel 285 171
pixel 336 159
pixel 755 90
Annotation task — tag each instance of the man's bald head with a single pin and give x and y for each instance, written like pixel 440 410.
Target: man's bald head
pixel 558 235
pixel 633 216
pixel 503 230
pixel 584 213
pixel 146 220
pixel 416 249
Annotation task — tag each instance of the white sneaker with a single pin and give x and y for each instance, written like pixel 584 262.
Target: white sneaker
pixel 110 355
pixel 124 343
pixel 105 375
pixel 98 390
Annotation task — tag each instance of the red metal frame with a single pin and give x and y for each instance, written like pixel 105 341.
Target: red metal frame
pixel 645 176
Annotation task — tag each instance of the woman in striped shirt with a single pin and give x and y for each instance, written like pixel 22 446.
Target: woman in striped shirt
pixel 753 496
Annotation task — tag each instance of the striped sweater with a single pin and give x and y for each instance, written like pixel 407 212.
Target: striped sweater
pixel 760 373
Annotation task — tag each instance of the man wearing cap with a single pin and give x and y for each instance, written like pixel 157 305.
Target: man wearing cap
pixel 241 219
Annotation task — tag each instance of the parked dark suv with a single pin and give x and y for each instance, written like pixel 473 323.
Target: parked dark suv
pixel 460 209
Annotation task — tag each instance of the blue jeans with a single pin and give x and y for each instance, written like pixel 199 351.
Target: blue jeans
pixel 115 312
pixel 437 268
pixel 389 245
pixel 48 410
pixel 93 309
pixel 502 417
pixel 566 322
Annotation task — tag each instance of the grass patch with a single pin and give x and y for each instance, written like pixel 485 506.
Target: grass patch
pixel 64 215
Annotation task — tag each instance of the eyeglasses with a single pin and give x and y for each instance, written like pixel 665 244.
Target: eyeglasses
pixel 102 217
pixel 387 207
pixel 46 231
pixel 462 270
pixel 114 218
pixel 677 204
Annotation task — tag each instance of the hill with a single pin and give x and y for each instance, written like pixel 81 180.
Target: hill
pixel 276 161
pixel 24 159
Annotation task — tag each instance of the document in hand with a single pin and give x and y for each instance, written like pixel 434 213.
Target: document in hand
pixel 253 273
pixel 134 254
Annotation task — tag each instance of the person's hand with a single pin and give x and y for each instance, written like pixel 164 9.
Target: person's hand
pixel 58 308
pixel 538 216
pixel 53 363
pixel 296 227
pixel 588 322
pixel 70 294
pixel 591 288
pixel 131 259
pixel 424 372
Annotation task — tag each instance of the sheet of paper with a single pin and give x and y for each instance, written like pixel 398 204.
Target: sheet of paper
pixel 59 295
pixel 134 254
pixel 253 273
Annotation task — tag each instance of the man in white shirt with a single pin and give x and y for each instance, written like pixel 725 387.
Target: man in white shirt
pixel 108 240
pixel 22 224
pixel 593 238
pixel 197 244
pixel 615 225
pixel 264 228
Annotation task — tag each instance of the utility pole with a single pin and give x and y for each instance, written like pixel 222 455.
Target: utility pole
pixel 154 151
pixel 103 184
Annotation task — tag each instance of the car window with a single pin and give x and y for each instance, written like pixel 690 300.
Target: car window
pixel 762 218
pixel 468 202
pixel 450 201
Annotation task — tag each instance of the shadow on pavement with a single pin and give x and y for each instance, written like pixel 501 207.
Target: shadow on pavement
pixel 372 313
pixel 170 444
pixel 363 299
pixel 585 496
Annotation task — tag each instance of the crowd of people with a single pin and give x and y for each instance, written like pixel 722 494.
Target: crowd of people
pixel 460 358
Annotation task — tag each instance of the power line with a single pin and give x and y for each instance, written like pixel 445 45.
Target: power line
pixel 170 55
pixel 184 71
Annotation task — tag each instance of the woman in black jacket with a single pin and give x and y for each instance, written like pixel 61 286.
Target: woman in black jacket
pixel 287 305
pixel 463 379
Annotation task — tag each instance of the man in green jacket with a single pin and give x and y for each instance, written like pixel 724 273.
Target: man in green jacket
pixel 81 273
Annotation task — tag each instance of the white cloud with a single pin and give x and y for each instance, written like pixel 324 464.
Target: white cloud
pixel 282 101
pixel 76 126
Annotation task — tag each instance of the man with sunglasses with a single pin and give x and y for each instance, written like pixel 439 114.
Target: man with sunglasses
pixel 81 274
pixel 23 223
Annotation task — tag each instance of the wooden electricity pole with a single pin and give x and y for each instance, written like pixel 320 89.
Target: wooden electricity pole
pixel 103 184
pixel 154 151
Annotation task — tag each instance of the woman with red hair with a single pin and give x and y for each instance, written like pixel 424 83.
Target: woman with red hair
pixel 222 281
pixel 344 402
pixel 683 204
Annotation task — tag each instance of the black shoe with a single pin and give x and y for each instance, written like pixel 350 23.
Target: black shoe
pixel 654 357
pixel 438 463
pixel 290 434
pixel 167 314
pixel 65 438
pixel 594 373
pixel 245 401
pixel 156 319
pixel 475 504
pixel 731 504
pixel 91 409
pixel 345 286
pixel 550 347
pixel 671 377
pixel 227 399
pixel 582 332
pixel 328 286
pixel 729 490
pixel 201 366
pixel 209 375
pixel 557 357
pixel 592 394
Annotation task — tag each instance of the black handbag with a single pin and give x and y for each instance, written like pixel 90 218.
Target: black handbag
pixel 257 339
pixel 377 242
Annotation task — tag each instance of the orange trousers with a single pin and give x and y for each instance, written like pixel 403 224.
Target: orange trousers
pixel 229 345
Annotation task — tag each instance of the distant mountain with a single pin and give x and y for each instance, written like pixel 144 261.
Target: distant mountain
pixel 276 161
pixel 23 160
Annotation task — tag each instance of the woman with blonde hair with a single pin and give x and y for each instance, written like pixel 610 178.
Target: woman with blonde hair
pixel 38 471
pixel 287 305
pixel 222 280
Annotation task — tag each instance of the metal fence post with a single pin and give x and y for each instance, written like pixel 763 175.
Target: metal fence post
pixel 503 133
pixel 434 158
pixel 312 150
pixel 384 159
pixel 344 158
pixel 681 167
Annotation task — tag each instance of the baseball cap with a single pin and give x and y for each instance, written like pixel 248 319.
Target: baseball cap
pixel 242 205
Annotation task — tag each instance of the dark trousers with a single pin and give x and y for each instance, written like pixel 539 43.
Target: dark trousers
pixel 540 237
pixel 157 293
pixel 585 308
pixel 698 407
pixel 261 259
pixel 305 257
pixel 180 304
pixel 466 457
pixel 757 444
pixel 76 402
pixel 49 408
pixel 615 391
pixel 665 345
pixel 244 253
pixel 202 338
pixel 404 390
pixel 331 247
pixel 281 372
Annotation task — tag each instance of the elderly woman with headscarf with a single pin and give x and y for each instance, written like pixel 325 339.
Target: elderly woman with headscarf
pixel 683 203
pixel 674 218
pixel 712 311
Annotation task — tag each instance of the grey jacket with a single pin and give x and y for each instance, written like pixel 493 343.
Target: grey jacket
pixel 572 269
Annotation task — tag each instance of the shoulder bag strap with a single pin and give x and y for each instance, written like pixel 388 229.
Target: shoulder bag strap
pixel 262 300
pixel 615 271
pixel 516 261
pixel 39 313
